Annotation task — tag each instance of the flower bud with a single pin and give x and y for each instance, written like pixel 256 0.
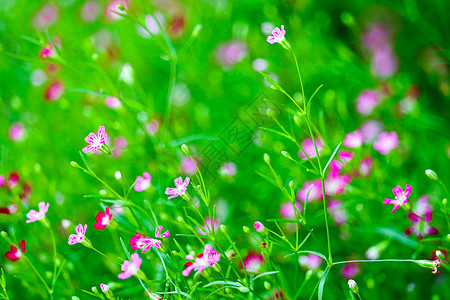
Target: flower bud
pixel 353 286
pixel 267 158
pixel 86 242
pixel 308 275
pixel 444 201
pixel 75 298
pixel 243 289
pixel 440 255
pixel 291 184
pixel 267 285
pixel 270 113
pixel 432 175
pixel 223 228
pixel 429 264
pixel 74 164
pixel 286 154
pixel 196 30
pixel 185 149
pixel 245 229
pixel 4 235
pixel 94 290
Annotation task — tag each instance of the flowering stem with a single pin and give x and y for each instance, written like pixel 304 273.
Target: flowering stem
pixel 373 261
pixel 54 261
pixel 39 275
pixel 237 252
pixel 300 78
pixel 121 175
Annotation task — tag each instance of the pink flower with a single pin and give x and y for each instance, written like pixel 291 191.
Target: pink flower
pixel 90 11
pixel 140 241
pixel 48 51
pixel 158 231
pixel 207 227
pixel 228 169
pixel 15 254
pixel 79 237
pixel 386 142
pixel 337 212
pixel 419 227
pixel 112 10
pixel 376 36
pixel 345 156
pixel 188 165
pixel 130 268
pixel 180 188
pixel 423 208
pixel 401 197
pixel 314 194
pixel 353 139
pixel 120 143
pixel 370 130
pixel 287 210
pixel 46 16
pixel 365 166
pixel 13 180
pixel 206 259
pixel 350 270
pixel 143 182
pixel 152 127
pixel 16 132
pixel 34 216
pixel 336 184
pixel 367 101
pixel 54 91
pixel 310 261
pixel 253 262
pixel 104 287
pixel 231 53
pixel 277 35
pixel 95 141
pixel 258 226
pixel 308 147
pixel 384 62
pixel 113 102
pixel 102 219
pixel 2 180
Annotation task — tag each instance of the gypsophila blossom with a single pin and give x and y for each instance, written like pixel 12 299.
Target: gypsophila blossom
pixel 367 101
pixel 258 226
pixel 79 237
pixel 370 130
pixel 140 241
pixel 277 35
pixel 16 253
pixel 420 227
pixel 54 91
pixel 143 182
pixel 350 270
pixel 180 187
pixel 130 268
pixel 206 259
pixel 113 102
pixel 228 168
pixel 308 147
pixel 401 197
pixel 207 227
pixel 34 216
pixel 102 219
pixel 95 141
pixel 17 132
pixel 353 139
pixel 365 166
pixel 310 261
pixel 386 142
pixel 104 287
pixel 253 262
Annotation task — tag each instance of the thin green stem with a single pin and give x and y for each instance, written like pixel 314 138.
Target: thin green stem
pixel 372 261
pixel 54 260
pixel 38 275
pixel 121 175
pixel 300 78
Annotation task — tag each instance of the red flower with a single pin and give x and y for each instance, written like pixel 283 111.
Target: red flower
pixel 103 219
pixel 16 254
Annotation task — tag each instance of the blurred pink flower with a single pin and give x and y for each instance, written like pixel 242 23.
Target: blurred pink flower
pixel 13 180
pixel 206 259
pixel 54 91
pixel 46 16
pixel 258 226
pixel 365 166
pixel 384 62
pixel 103 219
pixel 350 270
pixel 79 237
pixel 16 253
pixel 308 147
pixel 16 132
pixel 158 231
pixel 423 208
pixel 345 156
pixel 104 287
pixel 180 187
pixel 140 241
pixel 401 197
pixel 287 210
pixel 95 141
pixel 113 102
pixel 188 165
pixel 386 142
pixel 419 227
pixel 335 184
pixel 143 182
pixel 231 53
pixel 253 263
pixel 34 216
pixel 310 261
pixel 377 35
pixel 119 144
pixel 277 35
pixel 337 212
pixel 228 168
pixel 353 139
pixel 152 127
pixel 49 50
pixel 314 194
pixel 90 11
pixel 2 180
pixel 112 9
pixel 367 101
pixel 130 268
pixel 208 226
pixel 370 130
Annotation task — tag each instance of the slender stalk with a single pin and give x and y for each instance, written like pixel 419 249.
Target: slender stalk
pixel 300 78
pixel 54 261
pixel 38 275
pixel 372 261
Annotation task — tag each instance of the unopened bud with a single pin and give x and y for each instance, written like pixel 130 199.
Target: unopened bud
pixel 86 242
pixel 353 286
pixel 4 234
pixel 267 158
pixel 180 219
pixel 286 154
pixel 270 113
pixel 196 30
pixel 246 229
pixel 185 149
pixel 429 264
pixel 243 289
pixel 94 290
pixel 291 184
pixel 267 285
pixel 440 255
pixel 308 275
pixel 223 228
pixel 432 175
pixel 74 164
pixel 444 201
pixel 75 298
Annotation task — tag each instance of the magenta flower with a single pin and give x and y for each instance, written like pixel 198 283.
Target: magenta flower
pixel 16 253
pixel 401 197
pixel 277 35
pixel 350 270
pixel 231 53
pixel 287 210
pixel 130 268
pixel 308 147
pixel 253 263
pixel 206 259
pixel 54 91
pixel 258 226
pixel 386 142
pixel 102 219
pixel 228 168
pixel 113 102
pixel 34 216
pixel 140 241
pixel 207 227
pixel 158 231
pixel 314 194
pixel 335 184
pixel 104 287
pixel 180 188
pixel 353 139
pixel 2 180
pixel 13 180
pixel 310 261
pixel 365 166
pixel 16 132
pixel 79 237
pixel 370 130
pixel 367 101
pixel 143 182
pixel 95 141
pixel 345 155
pixel 419 227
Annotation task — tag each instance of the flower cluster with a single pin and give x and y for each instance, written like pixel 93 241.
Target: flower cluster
pixel 206 259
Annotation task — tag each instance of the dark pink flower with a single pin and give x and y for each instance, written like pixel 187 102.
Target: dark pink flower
pixel 206 259
pixel 54 91
pixel 345 156
pixel 143 182
pixel 308 147
pixel 102 219
pixel 140 241
pixel 2 180
pixel 253 263
pixel 401 197
pixel 13 180
pixel 386 142
pixel 353 139
pixel 350 270
pixel 130 268
pixel 48 51
pixel 180 188
pixel 95 141
pixel 258 226
pixel 15 253
pixel 158 232
pixel 365 166
pixel 367 101
pixel 79 237
pixel 277 35
pixel 34 216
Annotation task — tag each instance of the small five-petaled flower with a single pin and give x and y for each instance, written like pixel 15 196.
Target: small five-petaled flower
pixel 206 259
pixel 130 268
pixel 95 141
pixel 401 197
pixel 79 237
pixel 34 216
pixel 180 187
pixel 278 35
pixel 102 219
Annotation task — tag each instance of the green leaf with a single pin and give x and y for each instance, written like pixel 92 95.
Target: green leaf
pixel 308 251
pixel 274 84
pixel 322 282
pixel 284 220
pixel 224 282
pixel 195 137
pixel 276 132
pixel 308 105
pixel 331 158
pixel 264 274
